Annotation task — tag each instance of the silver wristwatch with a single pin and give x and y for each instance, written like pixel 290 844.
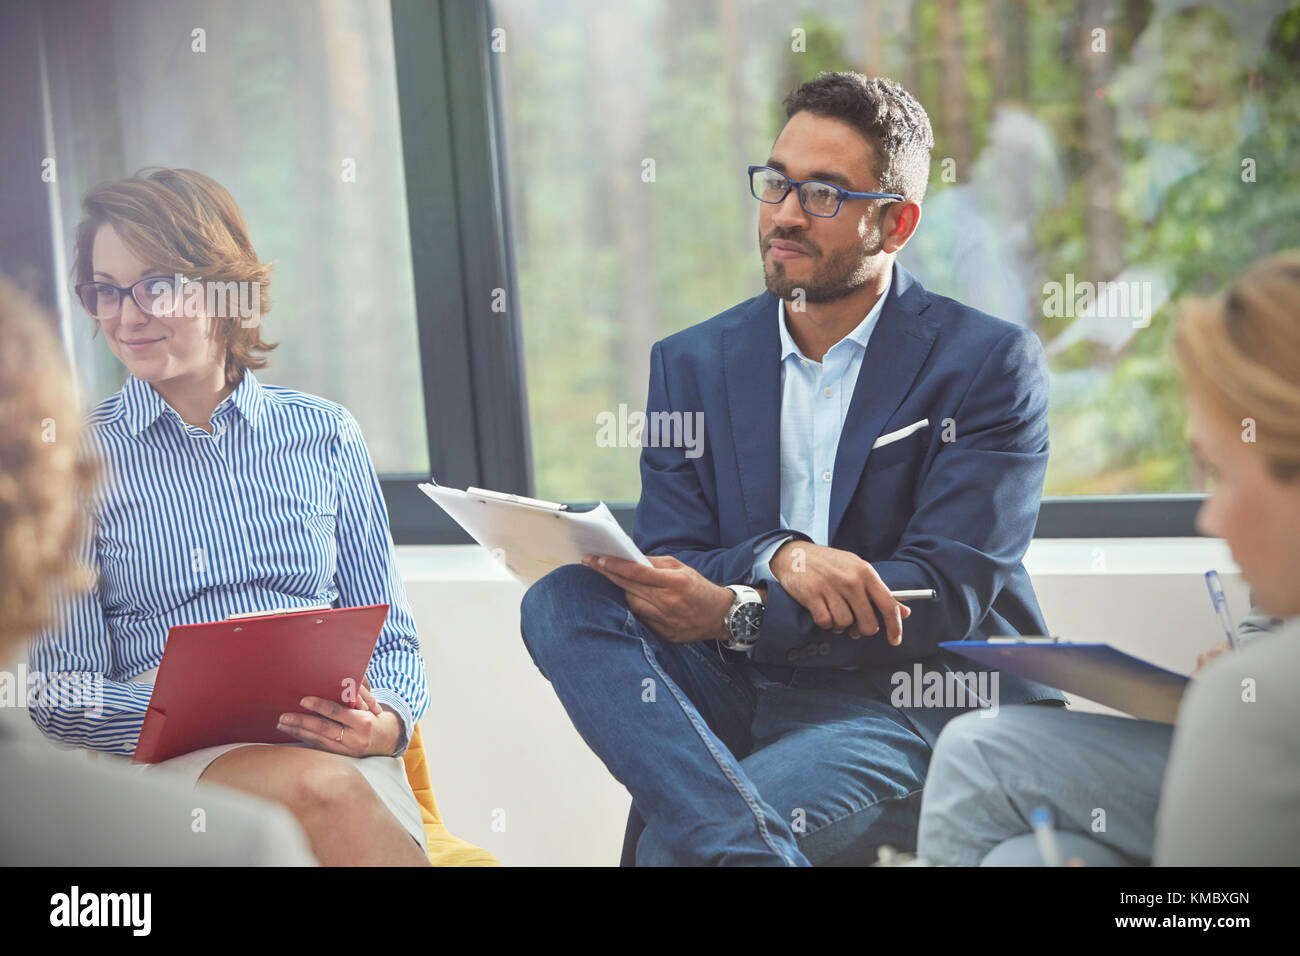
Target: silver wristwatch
pixel 744 619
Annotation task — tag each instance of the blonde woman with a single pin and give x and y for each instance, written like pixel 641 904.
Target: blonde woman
pixel 1231 794
pixel 223 495
pixel 56 808
pixel 1226 779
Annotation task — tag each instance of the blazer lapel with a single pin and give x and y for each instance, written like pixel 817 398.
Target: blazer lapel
pixel 895 353
pixel 751 372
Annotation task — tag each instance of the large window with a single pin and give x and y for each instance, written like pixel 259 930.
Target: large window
pixel 292 106
pixel 1094 162
pixel 484 214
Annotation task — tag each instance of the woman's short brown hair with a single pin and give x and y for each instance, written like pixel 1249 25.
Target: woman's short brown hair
pixel 181 221
pixel 44 478
pixel 1240 353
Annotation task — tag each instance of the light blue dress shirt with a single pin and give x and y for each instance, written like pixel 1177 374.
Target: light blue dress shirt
pixel 815 399
pixel 278 507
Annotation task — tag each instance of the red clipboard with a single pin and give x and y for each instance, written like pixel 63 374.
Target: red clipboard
pixel 229 681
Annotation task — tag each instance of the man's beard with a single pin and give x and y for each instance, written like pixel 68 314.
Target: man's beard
pixel 834 277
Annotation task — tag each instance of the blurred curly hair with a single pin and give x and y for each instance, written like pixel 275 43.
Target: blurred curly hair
pixel 45 479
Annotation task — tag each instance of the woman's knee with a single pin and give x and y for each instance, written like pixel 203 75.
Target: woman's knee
pixel 302 779
pixel 976 739
pixel 327 783
pixel 958 742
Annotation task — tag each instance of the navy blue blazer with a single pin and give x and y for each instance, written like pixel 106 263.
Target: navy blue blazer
pixel 951 506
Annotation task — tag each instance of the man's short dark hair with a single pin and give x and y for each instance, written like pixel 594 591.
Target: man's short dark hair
pixel 890 118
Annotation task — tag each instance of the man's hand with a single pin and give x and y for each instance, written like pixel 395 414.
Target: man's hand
pixel 839 589
pixel 672 599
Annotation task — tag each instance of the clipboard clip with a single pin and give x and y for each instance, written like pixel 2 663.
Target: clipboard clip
pixel 517 499
pixel 246 615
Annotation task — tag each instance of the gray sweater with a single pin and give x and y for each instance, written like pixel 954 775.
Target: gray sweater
pixel 1231 794
pixel 59 809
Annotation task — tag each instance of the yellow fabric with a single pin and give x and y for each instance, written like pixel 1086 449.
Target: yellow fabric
pixel 444 849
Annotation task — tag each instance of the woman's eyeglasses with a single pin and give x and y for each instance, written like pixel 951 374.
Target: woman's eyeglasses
pixel 155 295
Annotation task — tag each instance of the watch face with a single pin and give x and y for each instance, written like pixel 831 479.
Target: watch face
pixel 746 621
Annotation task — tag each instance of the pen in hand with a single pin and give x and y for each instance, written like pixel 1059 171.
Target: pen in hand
pixel 917 594
pixel 1220 602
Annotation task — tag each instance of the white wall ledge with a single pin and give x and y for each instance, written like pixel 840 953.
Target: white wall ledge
pixel 1046 557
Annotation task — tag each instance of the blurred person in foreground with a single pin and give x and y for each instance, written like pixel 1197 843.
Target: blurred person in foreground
pixel 1222 786
pixel 56 808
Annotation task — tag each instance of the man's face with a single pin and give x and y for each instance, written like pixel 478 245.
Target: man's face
pixel 826 258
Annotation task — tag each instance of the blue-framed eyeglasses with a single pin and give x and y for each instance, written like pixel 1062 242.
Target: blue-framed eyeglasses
pixel 817 198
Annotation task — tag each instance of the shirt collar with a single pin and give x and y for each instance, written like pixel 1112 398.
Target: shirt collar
pixel 144 405
pixel 249 398
pixel 860 335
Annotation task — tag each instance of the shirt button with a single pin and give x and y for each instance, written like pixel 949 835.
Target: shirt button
pixel 803 362
pixel 826 476
pixel 829 392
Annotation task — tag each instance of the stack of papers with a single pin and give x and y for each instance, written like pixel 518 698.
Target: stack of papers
pixel 531 537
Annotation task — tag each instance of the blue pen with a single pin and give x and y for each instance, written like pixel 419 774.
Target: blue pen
pixel 1220 601
pixel 1045 836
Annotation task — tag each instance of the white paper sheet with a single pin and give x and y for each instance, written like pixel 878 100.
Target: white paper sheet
pixel 532 541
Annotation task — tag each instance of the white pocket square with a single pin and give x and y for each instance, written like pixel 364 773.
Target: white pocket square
pixel 901 433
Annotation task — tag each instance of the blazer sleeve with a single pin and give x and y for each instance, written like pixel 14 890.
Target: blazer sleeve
pixel 673 515
pixel 975 511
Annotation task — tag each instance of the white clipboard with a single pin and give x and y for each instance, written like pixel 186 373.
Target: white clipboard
pixel 532 537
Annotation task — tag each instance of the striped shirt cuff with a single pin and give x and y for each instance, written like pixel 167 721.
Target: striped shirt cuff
pixel 394 702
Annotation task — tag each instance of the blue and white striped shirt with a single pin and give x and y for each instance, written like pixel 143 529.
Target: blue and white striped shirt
pixel 278 507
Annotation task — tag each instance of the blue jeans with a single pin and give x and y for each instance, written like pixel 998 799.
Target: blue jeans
pixel 1099 776
pixel 728 762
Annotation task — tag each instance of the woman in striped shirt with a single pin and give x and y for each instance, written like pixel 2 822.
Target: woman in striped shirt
pixel 223 495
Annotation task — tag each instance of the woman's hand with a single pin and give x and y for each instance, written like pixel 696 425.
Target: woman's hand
pixel 362 730
pixel 1222 647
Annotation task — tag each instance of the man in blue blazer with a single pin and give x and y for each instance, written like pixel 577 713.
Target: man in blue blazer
pixel 758 690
